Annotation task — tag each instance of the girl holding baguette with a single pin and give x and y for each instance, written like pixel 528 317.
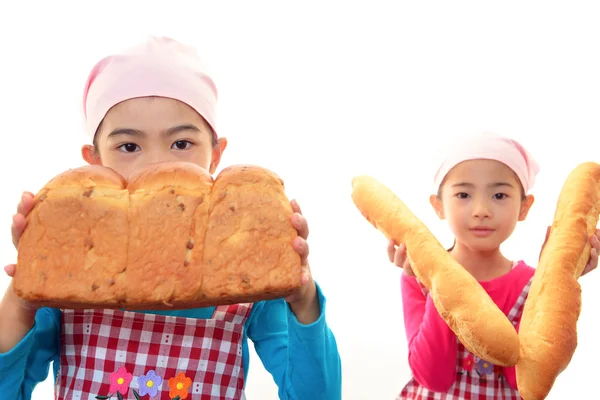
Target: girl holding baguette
pixel 154 103
pixel 482 190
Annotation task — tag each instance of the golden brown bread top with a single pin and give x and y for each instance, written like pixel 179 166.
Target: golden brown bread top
pixel 548 330
pixel 244 174
pixel 89 176
pixel 172 174
pixel 460 300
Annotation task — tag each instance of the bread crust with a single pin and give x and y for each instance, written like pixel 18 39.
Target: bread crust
pixel 94 240
pixel 460 300
pixel 548 329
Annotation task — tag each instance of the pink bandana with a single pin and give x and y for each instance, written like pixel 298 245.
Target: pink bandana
pixel 490 146
pixel 159 67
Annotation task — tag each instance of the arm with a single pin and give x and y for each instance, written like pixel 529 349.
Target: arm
pixel 27 363
pixel 432 347
pixel 303 359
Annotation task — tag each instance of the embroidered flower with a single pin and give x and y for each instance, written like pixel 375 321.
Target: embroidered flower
pixel 467 363
pixel 149 383
pixel 120 380
pixel 179 386
pixel 484 368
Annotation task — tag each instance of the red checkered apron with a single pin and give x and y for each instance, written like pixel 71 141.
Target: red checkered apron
pixel 113 354
pixel 476 379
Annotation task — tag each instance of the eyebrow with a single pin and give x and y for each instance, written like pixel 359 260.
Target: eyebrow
pixel 493 185
pixel 169 132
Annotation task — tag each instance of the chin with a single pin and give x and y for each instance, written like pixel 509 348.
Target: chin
pixel 483 245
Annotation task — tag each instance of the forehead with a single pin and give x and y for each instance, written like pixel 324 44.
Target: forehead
pixel 151 114
pixel 482 171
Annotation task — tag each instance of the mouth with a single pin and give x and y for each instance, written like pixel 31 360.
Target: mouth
pixel 482 230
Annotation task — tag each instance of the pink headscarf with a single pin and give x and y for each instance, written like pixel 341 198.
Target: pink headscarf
pixel 159 67
pixel 490 146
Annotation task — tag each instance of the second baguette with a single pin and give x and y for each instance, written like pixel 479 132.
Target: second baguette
pixel 460 300
pixel 548 331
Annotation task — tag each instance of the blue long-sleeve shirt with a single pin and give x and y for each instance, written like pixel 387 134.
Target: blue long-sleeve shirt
pixel 303 359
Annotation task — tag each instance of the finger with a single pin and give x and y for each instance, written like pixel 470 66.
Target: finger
pixel 408 269
pixel 400 256
pixel 301 247
pixel 26 203
pixel 391 250
pixel 593 263
pixel 305 275
pixel 17 228
pixel 295 207
pixel 299 222
pixel 595 242
pixel 10 270
pixel 548 231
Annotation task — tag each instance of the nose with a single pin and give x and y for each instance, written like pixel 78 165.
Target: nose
pixel 159 156
pixel 481 208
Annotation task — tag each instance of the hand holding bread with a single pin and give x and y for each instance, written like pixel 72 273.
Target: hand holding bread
pixel 19 221
pixel 398 256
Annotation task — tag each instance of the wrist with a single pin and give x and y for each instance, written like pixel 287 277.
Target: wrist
pixel 307 308
pixel 18 310
pixel 16 320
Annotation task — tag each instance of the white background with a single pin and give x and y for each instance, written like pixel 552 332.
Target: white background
pixel 321 92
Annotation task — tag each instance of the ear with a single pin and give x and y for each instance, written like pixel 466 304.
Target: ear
pixel 217 152
pixel 436 203
pixel 525 207
pixel 90 155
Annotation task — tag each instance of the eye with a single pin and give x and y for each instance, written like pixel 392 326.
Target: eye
pixel 129 147
pixel 462 195
pixel 181 145
pixel 500 196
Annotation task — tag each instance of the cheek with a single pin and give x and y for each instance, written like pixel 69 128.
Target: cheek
pixel 199 156
pixel 455 210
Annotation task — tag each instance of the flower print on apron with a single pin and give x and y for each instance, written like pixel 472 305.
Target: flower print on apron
pixel 114 354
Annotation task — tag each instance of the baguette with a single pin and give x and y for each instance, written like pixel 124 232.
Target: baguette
pixel 548 330
pixel 460 300
pixel 170 237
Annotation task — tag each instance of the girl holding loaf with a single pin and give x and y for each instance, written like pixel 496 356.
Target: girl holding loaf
pixel 482 191
pixel 153 103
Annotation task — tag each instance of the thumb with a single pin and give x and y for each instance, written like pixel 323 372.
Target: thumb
pixel 10 270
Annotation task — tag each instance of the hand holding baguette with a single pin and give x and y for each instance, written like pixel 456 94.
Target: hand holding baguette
pixel 460 300
pixel 548 330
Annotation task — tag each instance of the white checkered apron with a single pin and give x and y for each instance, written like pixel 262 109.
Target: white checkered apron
pixel 476 379
pixel 113 354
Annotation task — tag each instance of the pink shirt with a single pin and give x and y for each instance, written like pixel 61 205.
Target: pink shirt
pixel 432 346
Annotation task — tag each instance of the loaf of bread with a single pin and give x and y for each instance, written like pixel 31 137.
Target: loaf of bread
pixel 548 329
pixel 460 300
pixel 169 237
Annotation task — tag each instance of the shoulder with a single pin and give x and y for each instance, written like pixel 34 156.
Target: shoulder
pixel 523 272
